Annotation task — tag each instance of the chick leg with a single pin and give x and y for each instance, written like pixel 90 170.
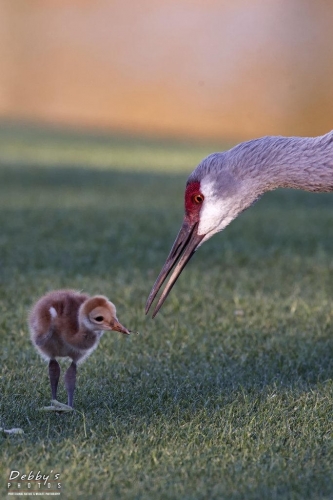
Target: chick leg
pixel 54 374
pixel 70 378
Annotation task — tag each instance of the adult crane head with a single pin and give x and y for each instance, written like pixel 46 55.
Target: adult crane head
pixel 216 192
pixel 225 184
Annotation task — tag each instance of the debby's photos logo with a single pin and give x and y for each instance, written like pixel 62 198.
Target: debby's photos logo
pixel 34 483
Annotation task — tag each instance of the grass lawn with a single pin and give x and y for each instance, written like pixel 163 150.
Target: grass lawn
pixel 228 393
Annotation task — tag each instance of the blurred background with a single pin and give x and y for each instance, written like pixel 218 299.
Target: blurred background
pixel 211 69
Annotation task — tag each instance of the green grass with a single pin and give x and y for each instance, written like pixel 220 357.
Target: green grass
pixel 228 393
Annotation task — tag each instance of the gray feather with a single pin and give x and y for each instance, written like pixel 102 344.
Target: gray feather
pixel 270 162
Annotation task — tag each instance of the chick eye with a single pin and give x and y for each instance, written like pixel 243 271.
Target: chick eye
pixel 99 319
pixel 198 198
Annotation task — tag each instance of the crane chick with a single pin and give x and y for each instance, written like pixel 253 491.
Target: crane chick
pixel 66 323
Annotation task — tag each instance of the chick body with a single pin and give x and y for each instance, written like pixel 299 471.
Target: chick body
pixel 66 323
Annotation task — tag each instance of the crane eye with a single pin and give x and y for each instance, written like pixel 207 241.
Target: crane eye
pixel 99 319
pixel 198 198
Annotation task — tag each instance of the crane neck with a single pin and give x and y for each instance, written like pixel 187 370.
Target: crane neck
pixel 290 162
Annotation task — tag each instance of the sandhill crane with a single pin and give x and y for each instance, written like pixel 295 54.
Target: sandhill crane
pixel 66 323
pixel 224 184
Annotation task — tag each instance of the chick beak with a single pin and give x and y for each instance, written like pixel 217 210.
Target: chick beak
pixel 118 327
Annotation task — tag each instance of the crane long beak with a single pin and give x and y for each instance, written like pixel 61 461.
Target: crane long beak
pixel 182 250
